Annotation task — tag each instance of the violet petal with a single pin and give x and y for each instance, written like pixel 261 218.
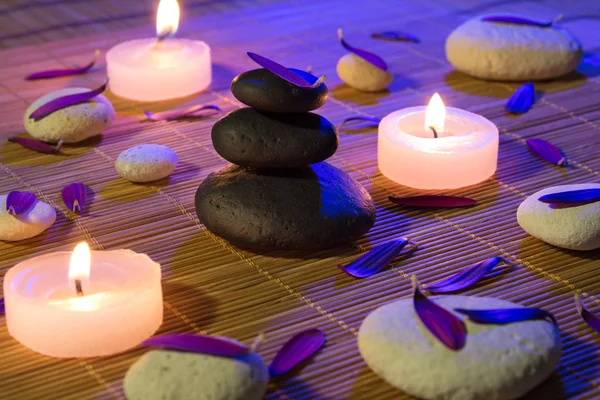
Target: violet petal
pixel 36 145
pixel 517 20
pixel 2 308
pixel 589 318
pixel 395 36
pixel 66 101
pixel 365 55
pixel 74 195
pixel 433 201
pixel 546 151
pixel 503 316
pixel 19 202
pixel 359 118
pixel 55 73
pixel 442 324
pixel 203 344
pixel 465 278
pixel 285 73
pixel 297 349
pixel 522 99
pixel 572 198
pixel 375 260
pixel 192 111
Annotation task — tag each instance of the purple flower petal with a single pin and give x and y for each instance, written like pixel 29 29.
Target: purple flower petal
pixel 572 198
pixel 203 344
pixel 588 317
pixel 36 145
pixel 465 278
pixel 395 36
pixel 517 20
pixel 373 120
pixel 66 101
pixel 297 349
pixel 19 202
pixel 546 151
pixel 285 73
pixel 442 324
pixel 2 308
pixel 365 55
pixel 74 195
pixel 504 316
pixel 521 100
pixel 54 73
pixel 375 260
pixel 183 112
pixel 433 201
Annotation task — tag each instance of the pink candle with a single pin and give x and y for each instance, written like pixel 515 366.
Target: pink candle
pixel 464 153
pixel 152 70
pixel 83 304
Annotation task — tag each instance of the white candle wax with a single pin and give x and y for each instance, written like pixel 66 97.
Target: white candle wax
pixel 465 152
pixel 121 305
pixel 148 70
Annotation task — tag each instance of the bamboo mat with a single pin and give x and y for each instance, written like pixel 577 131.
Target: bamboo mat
pixel 212 287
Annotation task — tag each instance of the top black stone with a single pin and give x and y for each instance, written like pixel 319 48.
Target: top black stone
pixel 263 90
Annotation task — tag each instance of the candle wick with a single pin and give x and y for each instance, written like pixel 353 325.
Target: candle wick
pixel 78 288
pixel 164 34
pixel 435 134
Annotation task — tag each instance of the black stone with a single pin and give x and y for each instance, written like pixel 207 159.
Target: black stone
pixel 307 208
pixel 258 139
pixel 261 89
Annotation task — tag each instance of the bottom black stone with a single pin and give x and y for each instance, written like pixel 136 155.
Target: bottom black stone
pixel 308 208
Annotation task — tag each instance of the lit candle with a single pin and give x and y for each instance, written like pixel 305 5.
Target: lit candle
pixel 160 68
pixel 83 304
pixel 437 147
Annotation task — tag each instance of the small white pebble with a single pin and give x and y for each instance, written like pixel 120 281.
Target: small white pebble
pixel 146 163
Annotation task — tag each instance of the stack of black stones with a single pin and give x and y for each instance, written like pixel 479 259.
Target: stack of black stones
pixel 279 194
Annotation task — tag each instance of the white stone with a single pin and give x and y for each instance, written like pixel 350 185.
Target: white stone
pixel 172 375
pixel 575 228
pixel 32 222
pixel 72 124
pixel 362 75
pixel 146 163
pixel 498 362
pixel 508 52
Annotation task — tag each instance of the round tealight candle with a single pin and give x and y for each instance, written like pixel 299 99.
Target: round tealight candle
pixel 159 69
pixel 121 304
pixel 149 70
pixel 464 153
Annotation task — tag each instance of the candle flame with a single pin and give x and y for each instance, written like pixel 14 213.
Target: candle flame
pixel 167 18
pixel 435 114
pixel 81 259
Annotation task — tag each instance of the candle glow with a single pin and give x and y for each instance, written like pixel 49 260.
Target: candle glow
pixel 435 114
pixel 167 17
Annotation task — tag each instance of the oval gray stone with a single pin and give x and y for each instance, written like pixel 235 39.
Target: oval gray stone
pixel 71 124
pixel 307 208
pixel 261 89
pixel 509 52
pixel 575 228
pixel 500 362
pixel 253 138
pixel 172 375
pixel 146 163
pixel 361 74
